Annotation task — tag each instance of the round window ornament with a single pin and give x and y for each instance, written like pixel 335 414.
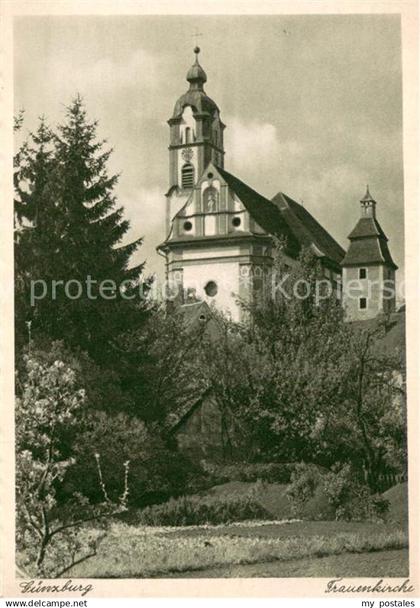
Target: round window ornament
pixel 210 175
pixel 187 154
pixel 236 222
pixel 210 289
pixel 187 226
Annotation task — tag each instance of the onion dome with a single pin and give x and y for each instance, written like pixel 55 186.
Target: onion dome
pixel 196 76
pixel 195 96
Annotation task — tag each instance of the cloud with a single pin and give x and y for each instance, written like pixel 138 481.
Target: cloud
pixel 246 141
pixel 255 149
pixel 145 208
pixel 106 74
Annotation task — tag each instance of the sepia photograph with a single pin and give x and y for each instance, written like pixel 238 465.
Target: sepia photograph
pixel 210 287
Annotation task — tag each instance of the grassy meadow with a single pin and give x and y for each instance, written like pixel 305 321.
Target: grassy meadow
pixel 273 547
pixel 143 552
pixel 242 529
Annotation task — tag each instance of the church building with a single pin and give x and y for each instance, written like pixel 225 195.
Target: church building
pixel 219 230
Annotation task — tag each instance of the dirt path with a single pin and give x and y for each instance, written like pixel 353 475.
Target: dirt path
pixel 375 564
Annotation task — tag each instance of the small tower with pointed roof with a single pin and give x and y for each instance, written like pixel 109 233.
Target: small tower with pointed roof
pixel 368 268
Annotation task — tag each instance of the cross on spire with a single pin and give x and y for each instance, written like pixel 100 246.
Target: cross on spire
pixel 196 36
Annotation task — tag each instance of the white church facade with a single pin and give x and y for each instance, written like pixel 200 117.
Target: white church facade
pixel 219 230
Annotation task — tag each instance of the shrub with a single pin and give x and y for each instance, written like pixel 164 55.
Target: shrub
pixel 352 499
pixel 196 510
pixel 304 481
pixel 318 508
pixel 250 472
pixel 319 494
pixel 380 506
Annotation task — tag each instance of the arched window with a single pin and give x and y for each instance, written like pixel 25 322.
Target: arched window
pixel 211 199
pixel 187 176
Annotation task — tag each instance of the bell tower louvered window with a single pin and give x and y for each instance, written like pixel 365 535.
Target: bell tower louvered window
pixel 187 176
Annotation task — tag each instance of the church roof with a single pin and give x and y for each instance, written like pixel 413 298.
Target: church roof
pixel 282 216
pixel 368 245
pixel 367 226
pixel 307 230
pixel 368 251
pixel 263 211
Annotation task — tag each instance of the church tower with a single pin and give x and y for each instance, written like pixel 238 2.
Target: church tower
pixel 219 231
pixel 215 250
pixel 368 268
pixel 195 140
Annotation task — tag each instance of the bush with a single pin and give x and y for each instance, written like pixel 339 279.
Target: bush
pixel 304 481
pixel 269 472
pixel 352 499
pixel 315 493
pixel 196 510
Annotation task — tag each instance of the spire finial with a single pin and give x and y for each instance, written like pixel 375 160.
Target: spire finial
pixel 196 36
pixel 367 196
pixel 196 75
pixel 368 204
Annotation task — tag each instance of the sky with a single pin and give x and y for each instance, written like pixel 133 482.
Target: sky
pixel 312 106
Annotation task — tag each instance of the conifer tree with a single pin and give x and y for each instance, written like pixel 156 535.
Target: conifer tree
pixel 95 226
pixel 76 233
pixel 36 216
